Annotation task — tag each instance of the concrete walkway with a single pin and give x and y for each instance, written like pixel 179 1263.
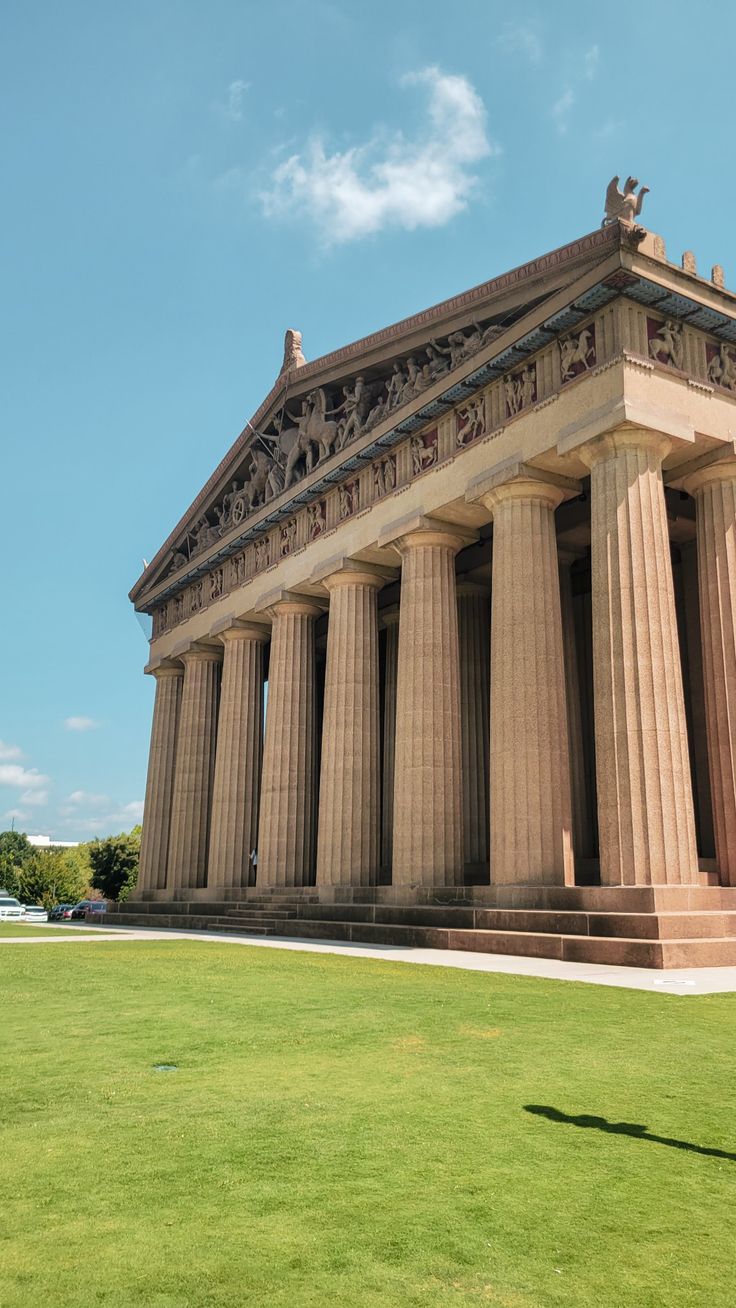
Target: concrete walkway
pixel 676 981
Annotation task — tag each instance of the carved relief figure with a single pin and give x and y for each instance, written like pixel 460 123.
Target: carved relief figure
pixel 352 410
pixel 216 583
pixel 666 342
pixel 471 421
pixel 315 519
pixel 178 608
pixel 722 366
pixel 348 496
pixel 288 537
pixel 237 566
pixel 204 535
pixel 625 204
pixel 262 553
pixel 384 476
pixel 423 451
pixel 520 389
pixel 577 353
pixel 395 385
pixel 178 561
pixel 195 597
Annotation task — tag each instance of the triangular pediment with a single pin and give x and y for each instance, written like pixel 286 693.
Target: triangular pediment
pixel 323 417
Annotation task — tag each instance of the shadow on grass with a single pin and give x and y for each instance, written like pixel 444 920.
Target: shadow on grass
pixel 634 1129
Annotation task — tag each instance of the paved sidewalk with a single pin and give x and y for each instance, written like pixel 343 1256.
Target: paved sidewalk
pixel 676 981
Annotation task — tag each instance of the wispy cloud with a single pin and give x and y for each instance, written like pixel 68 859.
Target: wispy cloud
pixel 591 59
pixel 231 108
pixel 562 109
pixel 521 39
pixel 87 799
pixel 81 723
pixel 19 814
pixel 9 751
pixel 390 181
pixel 120 818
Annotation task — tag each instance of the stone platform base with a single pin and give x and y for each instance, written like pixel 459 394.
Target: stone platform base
pixel 636 926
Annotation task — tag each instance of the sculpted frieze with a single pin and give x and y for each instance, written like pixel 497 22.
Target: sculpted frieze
pixel 306 431
pixel 721 365
pixel 577 353
pixel 384 476
pixel 520 389
pixel 666 341
pixel 471 421
pixel 423 451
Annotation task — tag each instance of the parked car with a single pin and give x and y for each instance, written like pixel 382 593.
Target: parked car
pixel 35 913
pixel 11 910
pixel 88 906
pixel 60 911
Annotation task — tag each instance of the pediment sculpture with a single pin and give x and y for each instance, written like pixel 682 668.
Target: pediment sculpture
pixel 304 432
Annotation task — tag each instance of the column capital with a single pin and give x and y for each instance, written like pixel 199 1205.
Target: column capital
pixel 200 652
pixel 418 530
pixel 515 480
pixel 160 668
pixel 611 443
pixel 342 571
pixel 388 617
pixel 291 601
pixel 699 478
pixel 240 629
pixel 472 588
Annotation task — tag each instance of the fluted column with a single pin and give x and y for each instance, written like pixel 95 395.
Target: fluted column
pixel 531 823
pixel 286 825
pixel 195 766
pixel 160 780
pixel 237 784
pixel 645 805
pixel 474 626
pixel 389 620
pixel 428 795
pixel 693 670
pixel 348 832
pixel 581 833
pixel 714 489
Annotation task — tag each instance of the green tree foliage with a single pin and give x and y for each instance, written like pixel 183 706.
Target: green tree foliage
pixel 43 876
pixel 114 863
pixel 15 854
pixel 55 876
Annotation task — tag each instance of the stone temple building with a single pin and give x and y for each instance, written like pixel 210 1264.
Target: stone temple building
pixel 485 561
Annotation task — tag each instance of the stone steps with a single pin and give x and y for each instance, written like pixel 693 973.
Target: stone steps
pixel 659 940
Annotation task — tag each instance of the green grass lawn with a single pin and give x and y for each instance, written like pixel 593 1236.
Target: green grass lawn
pixel 34 929
pixel 348 1132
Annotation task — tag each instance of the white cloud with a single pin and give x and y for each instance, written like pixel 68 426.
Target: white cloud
pixel 561 110
pixel 394 181
pixel 87 799
pixel 232 106
pixel 591 59
pixel 80 724
pixel 19 814
pixel 121 818
pixel 37 798
pixel 10 751
pixel 13 774
pixel 523 39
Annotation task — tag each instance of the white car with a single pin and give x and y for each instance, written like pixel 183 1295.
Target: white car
pixel 36 913
pixel 10 909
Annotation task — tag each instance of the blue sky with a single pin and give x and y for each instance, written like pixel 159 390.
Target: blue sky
pixel 184 181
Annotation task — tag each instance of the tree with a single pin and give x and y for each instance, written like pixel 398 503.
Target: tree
pixel 114 863
pixel 16 852
pixel 55 876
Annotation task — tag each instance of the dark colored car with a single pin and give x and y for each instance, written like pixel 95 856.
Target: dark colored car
pixel 88 908
pixel 60 911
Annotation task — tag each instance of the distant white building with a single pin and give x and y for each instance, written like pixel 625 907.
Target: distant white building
pixel 45 842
